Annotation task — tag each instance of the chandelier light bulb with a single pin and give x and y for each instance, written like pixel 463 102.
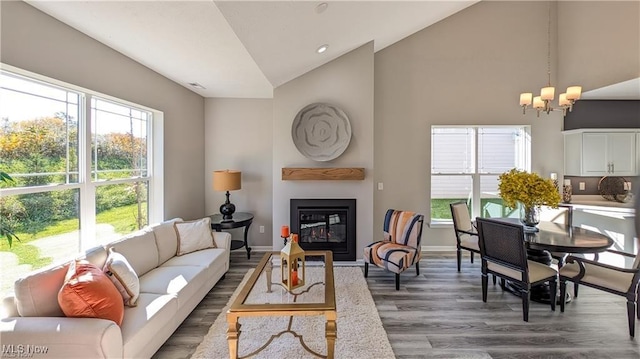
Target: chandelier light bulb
pixel 563 101
pixel 526 98
pixel 543 102
pixel 538 103
pixel 574 92
pixel 547 93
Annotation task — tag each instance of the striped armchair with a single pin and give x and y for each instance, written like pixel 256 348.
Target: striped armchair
pixel 400 248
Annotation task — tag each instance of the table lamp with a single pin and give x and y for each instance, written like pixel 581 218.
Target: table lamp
pixel 227 180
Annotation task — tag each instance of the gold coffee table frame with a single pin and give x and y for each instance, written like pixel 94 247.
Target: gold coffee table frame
pixel 327 308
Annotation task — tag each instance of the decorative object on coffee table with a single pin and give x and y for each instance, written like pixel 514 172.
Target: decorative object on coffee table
pixel 284 234
pixel 321 131
pixel 227 180
pixel 292 264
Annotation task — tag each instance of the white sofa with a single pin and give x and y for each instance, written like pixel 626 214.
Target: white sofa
pixel 170 288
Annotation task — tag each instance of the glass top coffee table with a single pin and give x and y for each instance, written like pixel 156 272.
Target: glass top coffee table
pixel 264 295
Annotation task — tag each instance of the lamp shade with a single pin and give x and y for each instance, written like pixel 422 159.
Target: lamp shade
pixel 538 103
pixel 227 180
pixel 574 92
pixel 547 93
pixel 526 98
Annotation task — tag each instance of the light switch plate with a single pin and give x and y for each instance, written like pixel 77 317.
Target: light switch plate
pixel 582 186
pixel 380 186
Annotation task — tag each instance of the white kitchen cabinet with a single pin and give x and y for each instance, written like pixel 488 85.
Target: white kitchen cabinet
pixel 600 152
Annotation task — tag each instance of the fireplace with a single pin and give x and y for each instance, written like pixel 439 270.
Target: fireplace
pixel 326 224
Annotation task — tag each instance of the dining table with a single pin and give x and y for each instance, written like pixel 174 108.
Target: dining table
pixel 557 238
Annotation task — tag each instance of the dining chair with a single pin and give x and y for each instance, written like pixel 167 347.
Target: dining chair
pixel 504 254
pixel 465 230
pixel 609 278
pixel 400 247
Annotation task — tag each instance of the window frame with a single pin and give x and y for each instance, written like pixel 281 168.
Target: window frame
pixel 86 185
pixel 476 174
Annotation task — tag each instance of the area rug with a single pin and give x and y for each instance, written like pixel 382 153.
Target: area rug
pixel 360 331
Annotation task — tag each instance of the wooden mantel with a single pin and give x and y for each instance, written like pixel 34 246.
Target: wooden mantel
pixel 323 174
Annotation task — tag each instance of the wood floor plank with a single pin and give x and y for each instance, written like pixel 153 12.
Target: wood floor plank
pixel 440 314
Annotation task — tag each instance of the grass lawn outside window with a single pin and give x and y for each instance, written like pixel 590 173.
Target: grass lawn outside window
pixel 34 251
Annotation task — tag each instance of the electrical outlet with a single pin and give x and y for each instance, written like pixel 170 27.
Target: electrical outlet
pixel 627 186
pixel 261 229
pixel 582 186
pixel 380 186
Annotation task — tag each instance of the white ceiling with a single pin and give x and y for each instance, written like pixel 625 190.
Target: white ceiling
pixel 243 49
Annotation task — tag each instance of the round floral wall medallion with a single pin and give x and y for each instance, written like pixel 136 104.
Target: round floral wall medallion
pixel 321 131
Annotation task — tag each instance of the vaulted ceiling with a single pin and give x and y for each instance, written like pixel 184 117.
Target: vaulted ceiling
pixel 244 49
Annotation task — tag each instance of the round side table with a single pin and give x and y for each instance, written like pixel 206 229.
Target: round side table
pixel 240 219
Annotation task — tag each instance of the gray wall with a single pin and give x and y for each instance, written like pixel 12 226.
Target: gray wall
pixel 238 135
pixel 254 136
pixel 346 82
pixel 468 69
pixel 598 42
pixel 37 42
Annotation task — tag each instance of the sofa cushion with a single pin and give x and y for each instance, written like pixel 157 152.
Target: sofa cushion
pixel 140 249
pixel 183 281
pixel 89 293
pixel 166 240
pixel 202 258
pixel 194 235
pixel 142 323
pixel 37 293
pixel 120 272
pixel 97 255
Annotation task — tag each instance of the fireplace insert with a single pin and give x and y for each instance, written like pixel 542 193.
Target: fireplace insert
pixel 326 224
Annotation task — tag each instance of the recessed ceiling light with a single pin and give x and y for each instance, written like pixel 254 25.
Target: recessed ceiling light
pixel 197 85
pixel 322 48
pixel 321 7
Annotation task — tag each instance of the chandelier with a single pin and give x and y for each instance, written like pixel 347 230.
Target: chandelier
pixel 542 103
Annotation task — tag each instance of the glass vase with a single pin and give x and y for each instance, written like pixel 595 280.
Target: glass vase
pixel 530 215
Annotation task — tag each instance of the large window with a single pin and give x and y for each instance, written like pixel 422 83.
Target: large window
pixel 84 167
pixel 465 165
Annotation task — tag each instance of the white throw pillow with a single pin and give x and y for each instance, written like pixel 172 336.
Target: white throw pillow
pixel 118 269
pixel 194 236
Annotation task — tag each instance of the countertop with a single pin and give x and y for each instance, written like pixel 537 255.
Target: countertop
pixel 596 202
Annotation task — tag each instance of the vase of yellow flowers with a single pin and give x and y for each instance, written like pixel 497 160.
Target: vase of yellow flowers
pixel 530 216
pixel 529 190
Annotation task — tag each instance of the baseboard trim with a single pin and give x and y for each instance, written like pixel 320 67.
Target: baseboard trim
pixel 438 248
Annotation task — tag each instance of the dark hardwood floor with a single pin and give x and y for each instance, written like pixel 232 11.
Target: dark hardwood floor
pixel 440 314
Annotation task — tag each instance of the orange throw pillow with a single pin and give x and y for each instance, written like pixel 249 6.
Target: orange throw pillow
pixel 88 293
